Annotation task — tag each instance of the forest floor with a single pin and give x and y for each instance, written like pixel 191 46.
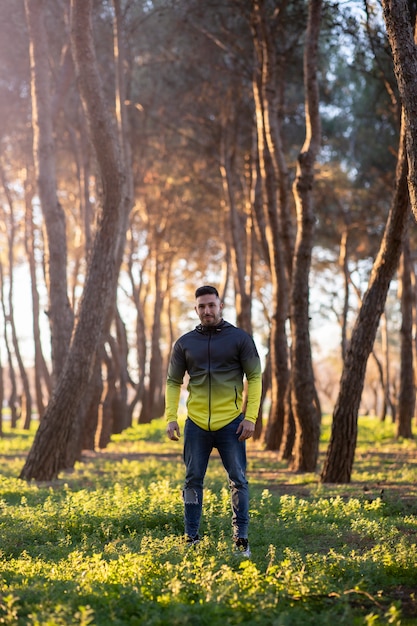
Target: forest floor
pixel 102 545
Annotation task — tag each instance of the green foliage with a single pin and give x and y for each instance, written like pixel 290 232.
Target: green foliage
pixel 103 544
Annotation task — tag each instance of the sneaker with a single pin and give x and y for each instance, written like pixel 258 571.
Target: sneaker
pixel 242 547
pixel 192 541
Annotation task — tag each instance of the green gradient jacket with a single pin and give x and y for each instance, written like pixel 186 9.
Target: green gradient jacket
pixel 216 359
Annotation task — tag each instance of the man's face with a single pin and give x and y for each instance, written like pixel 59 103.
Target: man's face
pixel 209 309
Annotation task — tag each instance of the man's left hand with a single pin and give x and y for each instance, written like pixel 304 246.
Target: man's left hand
pixel 245 429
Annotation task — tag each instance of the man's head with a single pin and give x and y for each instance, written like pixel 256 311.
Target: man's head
pixel 208 305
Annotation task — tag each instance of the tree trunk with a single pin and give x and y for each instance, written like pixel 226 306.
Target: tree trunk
pixel 266 384
pixel 41 373
pixel 13 401
pixel 91 405
pixel 272 179
pixel 151 406
pixel 400 30
pixel 383 408
pixel 388 401
pixel 60 313
pixel 106 416
pixel 407 395
pixel 1 397
pixel 239 227
pixel 141 344
pixel 344 264
pixel 47 455
pixel 120 354
pixel 116 407
pixel 303 394
pixel 26 397
pixel 341 451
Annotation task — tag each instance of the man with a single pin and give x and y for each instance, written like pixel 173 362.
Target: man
pixel 216 356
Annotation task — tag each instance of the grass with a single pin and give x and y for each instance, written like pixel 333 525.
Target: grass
pixel 103 544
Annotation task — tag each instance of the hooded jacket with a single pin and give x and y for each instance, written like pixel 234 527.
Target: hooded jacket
pixel 216 359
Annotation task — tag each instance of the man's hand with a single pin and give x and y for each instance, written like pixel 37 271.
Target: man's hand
pixel 246 430
pixel 173 431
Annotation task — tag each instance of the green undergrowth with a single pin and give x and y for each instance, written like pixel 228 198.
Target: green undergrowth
pixel 103 544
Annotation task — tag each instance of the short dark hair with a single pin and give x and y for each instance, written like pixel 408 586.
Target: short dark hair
pixel 206 290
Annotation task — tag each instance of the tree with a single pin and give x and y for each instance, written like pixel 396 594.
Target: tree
pixel 341 451
pixel 399 18
pixel 46 457
pixel 41 373
pixel 60 312
pixel 271 202
pixel 407 392
pixel 26 402
pixel 304 405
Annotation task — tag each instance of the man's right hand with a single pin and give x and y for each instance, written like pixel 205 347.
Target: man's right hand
pixel 173 431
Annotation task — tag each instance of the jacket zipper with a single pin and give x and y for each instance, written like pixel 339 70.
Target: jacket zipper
pixel 209 381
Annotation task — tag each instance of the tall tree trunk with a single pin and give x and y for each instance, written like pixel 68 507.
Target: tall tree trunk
pixel 341 451
pixel 41 374
pixel 1 397
pixel 13 400
pixel 116 407
pixel 151 406
pixel 265 80
pixel 237 226
pixel 344 264
pixel 407 395
pixel 400 26
pixel 47 455
pixel 303 393
pixel 91 409
pixel 120 354
pixel 26 397
pixel 383 408
pixel 141 344
pixel 60 313
pixel 388 402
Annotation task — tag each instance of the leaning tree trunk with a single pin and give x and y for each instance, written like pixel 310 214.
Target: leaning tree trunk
pixel 303 393
pixel 118 411
pixel 341 451
pixel 46 457
pixel 400 30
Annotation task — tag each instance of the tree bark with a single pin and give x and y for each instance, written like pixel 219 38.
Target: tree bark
pixel 1 397
pixel 239 220
pixel 116 406
pixel 272 180
pixel 42 375
pixel 341 451
pixel 26 397
pixel 152 405
pixel 303 393
pixel 47 455
pixel 60 313
pixel 400 30
pixel 12 400
pixel 407 395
